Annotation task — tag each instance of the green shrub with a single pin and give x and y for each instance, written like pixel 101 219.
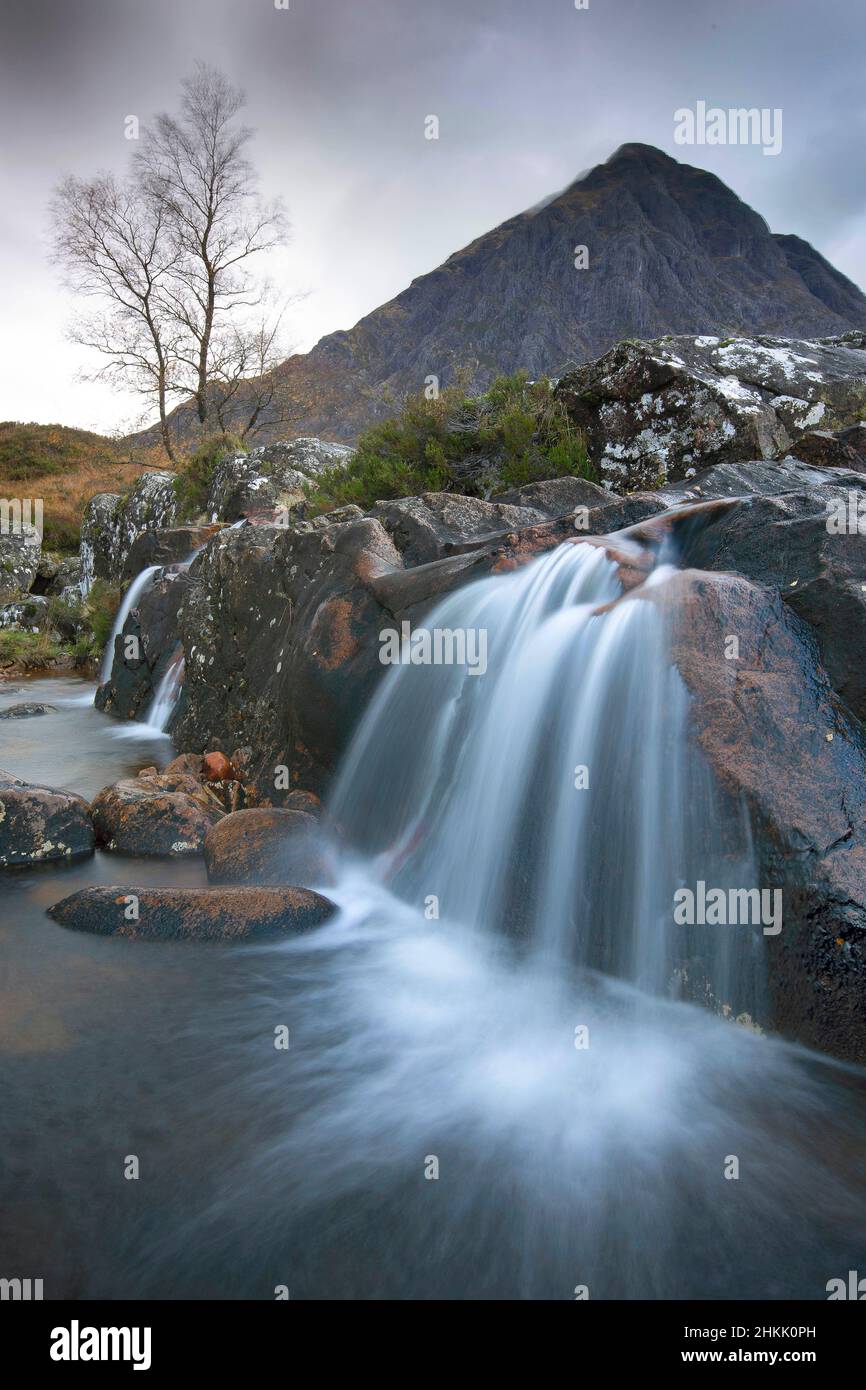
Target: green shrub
pixel 99 611
pixel 193 481
pixel 515 433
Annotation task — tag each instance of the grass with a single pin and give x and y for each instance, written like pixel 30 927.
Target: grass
pixel 31 649
pixel 65 467
pixel 516 433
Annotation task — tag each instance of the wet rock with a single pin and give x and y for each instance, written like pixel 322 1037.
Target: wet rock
pixel 190 763
pixel 155 814
pixel 26 710
pixel 153 626
pixel 657 412
pixel 193 914
pixel 271 476
pixel 266 845
pixel 216 767
pixel 304 801
pixel 111 524
pixel 38 824
pixel 794 544
pixel 775 735
pixel 171 546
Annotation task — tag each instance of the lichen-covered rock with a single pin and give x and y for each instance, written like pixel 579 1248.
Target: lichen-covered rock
pixel 111 524
pixel 38 824
pixel 266 845
pixel 29 614
pixel 659 411
pixel 274 475
pixel 20 553
pixel 28 709
pixel 155 814
pixel 193 914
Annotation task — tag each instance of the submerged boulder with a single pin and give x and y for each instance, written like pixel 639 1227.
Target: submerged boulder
pixel 38 823
pixel 192 914
pixel 657 412
pixel 155 813
pixel 266 845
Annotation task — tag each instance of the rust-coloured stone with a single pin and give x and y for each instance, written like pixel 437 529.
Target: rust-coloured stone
pixel 153 814
pixel 192 914
pixel 266 845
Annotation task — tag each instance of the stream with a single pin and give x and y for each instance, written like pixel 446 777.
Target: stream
pixel 432 1129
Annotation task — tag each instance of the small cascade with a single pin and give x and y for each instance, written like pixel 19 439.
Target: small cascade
pixel 130 599
pixel 167 693
pixel 557 796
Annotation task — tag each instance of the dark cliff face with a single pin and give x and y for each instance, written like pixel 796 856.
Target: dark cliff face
pixel 670 249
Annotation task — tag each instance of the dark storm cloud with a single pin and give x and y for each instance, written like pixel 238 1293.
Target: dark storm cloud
pixel 528 94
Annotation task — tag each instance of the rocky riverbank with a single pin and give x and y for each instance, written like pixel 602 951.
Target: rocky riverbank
pixel 741 461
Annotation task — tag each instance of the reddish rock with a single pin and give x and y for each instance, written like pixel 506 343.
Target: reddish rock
pixel 187 762
pixel 192 914
pixel 307 802
pixel 38 824
pixel 216 767
pixel 266 845
pixel 163 813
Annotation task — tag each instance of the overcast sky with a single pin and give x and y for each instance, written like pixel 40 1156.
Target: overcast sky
pixel 528 93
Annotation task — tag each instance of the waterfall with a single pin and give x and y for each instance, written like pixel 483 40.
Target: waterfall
pixel 141 582
pixel 165 697
pixel 499 1082
pixel 557 796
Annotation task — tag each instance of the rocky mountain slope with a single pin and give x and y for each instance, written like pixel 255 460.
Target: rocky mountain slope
pixel 670 249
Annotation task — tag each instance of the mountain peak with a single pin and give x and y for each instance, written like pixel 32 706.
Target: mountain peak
pixel 666 248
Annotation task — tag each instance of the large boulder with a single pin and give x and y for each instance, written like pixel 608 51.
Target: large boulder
pixel 428 527
pixel 792 544
pixel 38 824
pixel 192 914
pixel 265 845
pixel 274 475
pixel 174 545
pixel 776 737
pixel 20 554
pixel 138 667
pixel 657 412
pixel 155 814
pixel 111 524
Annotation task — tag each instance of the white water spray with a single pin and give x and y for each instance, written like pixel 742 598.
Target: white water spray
pixel 138 586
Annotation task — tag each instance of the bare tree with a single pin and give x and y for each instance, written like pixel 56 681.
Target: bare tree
pixel 115 246
pixel 195 169
pixel 248 392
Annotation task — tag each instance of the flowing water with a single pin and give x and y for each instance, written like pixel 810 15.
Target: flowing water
pixel 508 1074
pixel 130 599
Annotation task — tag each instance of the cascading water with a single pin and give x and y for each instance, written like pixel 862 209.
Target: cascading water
pixel 130 599
pixel 496 1086
pixel 166 694
pixel 558 795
